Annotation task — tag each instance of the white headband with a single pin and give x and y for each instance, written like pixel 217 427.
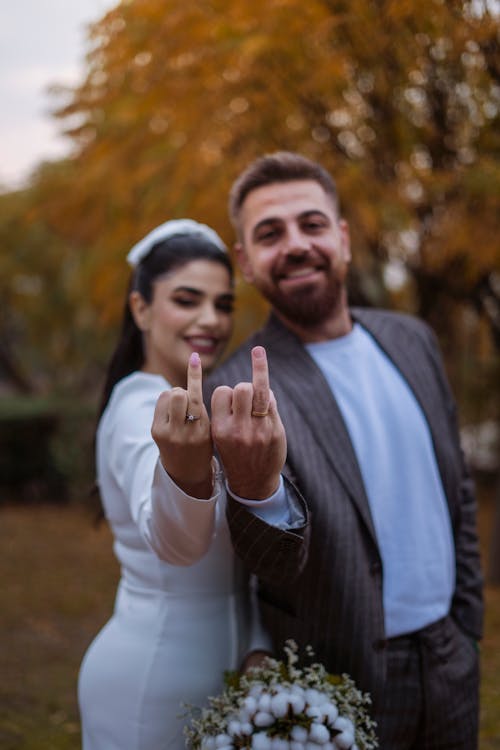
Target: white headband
pixel 171 229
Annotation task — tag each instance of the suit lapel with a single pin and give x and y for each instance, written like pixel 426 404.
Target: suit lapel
pixel 294 373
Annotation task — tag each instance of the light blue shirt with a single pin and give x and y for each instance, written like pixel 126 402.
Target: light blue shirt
pixel 393 445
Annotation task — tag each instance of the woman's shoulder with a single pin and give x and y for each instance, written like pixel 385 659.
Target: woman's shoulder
pixel 136 391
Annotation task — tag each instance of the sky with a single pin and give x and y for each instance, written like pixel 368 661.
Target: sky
pixel 42 42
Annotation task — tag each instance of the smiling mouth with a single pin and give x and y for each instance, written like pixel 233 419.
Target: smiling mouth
pixel 304 273
pixel 203 344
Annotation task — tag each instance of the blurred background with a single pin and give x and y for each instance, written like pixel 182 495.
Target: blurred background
pixel 155 106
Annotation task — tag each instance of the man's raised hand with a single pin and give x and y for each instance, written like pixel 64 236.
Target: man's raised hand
pixel 248 433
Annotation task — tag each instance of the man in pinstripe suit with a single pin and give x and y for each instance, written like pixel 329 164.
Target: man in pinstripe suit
pixel 377 565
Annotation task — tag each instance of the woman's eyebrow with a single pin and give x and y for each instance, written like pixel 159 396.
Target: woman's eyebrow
pixel 189 289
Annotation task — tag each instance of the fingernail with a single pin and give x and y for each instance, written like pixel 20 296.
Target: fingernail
pixel 259 352
pixel 194 359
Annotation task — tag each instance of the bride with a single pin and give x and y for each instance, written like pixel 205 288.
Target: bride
pixel 183 613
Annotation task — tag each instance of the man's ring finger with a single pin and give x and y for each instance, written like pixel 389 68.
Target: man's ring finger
pixel 260 413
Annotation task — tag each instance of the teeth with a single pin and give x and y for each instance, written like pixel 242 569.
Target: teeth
pixel 199 341
pixel 300 272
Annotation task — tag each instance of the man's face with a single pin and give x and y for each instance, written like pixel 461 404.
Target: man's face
pixel 295 250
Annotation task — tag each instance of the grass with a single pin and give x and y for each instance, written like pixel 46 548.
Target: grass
pixel 58 577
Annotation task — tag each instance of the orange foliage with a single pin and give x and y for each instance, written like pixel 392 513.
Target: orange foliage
pixel 399 99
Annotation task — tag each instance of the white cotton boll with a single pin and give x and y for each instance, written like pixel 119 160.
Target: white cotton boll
pixel 261 741
pixel 263 719
pixel 222 740
pixel 234 728
pixel 330 712
pixel 299 734
pixel 250 704
pixel 208 743
pixel 246 728
pixel 344 740
pixel 313 697
pixel 256 690
pixel 297 690
pixel 314 712
pixel 297 703
pixel 294 745
pixel 279 743
pixel 264 703
pixel 243 715
pixel 311 746
pixel 343 724
pixel 319 733
pixel 279 705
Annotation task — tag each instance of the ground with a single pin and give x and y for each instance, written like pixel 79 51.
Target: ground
pixel 57 579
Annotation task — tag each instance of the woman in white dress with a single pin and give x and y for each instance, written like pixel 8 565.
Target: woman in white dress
pixel 183 612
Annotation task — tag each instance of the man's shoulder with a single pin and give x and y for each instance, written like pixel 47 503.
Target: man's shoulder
pixel 378 320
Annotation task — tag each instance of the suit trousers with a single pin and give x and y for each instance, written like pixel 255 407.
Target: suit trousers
pixel 431 698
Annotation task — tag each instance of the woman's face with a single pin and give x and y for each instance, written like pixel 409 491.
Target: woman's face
pixel 191 311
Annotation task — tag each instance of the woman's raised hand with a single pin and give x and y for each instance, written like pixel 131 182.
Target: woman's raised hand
pixel 249 434
pixel 181 429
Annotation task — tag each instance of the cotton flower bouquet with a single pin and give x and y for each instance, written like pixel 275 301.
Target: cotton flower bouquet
pixel 280 706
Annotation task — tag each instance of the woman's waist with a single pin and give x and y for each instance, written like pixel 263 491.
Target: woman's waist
pixel 142 570
pixel 144 600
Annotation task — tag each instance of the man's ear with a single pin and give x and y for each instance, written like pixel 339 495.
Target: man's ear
pixel 140 310
pixel 243 262
pixel 345 240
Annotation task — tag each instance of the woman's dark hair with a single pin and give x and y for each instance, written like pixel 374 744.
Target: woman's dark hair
pixel 164 257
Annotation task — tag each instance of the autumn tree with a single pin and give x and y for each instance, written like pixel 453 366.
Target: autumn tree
pixel 399 99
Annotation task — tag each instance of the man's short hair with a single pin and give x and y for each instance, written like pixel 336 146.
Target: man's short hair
pixel 281 166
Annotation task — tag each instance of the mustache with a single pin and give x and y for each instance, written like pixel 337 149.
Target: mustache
pixel 296 260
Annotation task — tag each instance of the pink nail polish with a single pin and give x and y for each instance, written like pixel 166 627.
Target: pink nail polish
pixel 194 359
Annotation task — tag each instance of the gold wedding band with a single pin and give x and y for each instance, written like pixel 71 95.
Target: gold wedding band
pixel 191 418
pixel 260 413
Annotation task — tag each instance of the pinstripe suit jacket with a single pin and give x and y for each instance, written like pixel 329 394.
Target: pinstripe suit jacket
pixel 322 584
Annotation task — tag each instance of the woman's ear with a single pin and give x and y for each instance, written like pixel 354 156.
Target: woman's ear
pixel 140 310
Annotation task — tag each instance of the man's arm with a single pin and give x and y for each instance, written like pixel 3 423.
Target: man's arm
pixel 251 444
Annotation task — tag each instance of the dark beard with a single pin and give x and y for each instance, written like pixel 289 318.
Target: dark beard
pixel 305 307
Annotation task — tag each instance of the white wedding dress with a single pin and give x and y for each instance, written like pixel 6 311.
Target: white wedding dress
pixel 182 615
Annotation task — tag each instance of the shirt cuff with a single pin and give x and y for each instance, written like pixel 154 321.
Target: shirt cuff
pixel 165 481
pixel 274 509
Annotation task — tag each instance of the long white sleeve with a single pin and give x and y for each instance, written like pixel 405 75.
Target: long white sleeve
pixel 178 528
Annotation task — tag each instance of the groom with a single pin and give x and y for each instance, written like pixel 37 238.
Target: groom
pixel 379 569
